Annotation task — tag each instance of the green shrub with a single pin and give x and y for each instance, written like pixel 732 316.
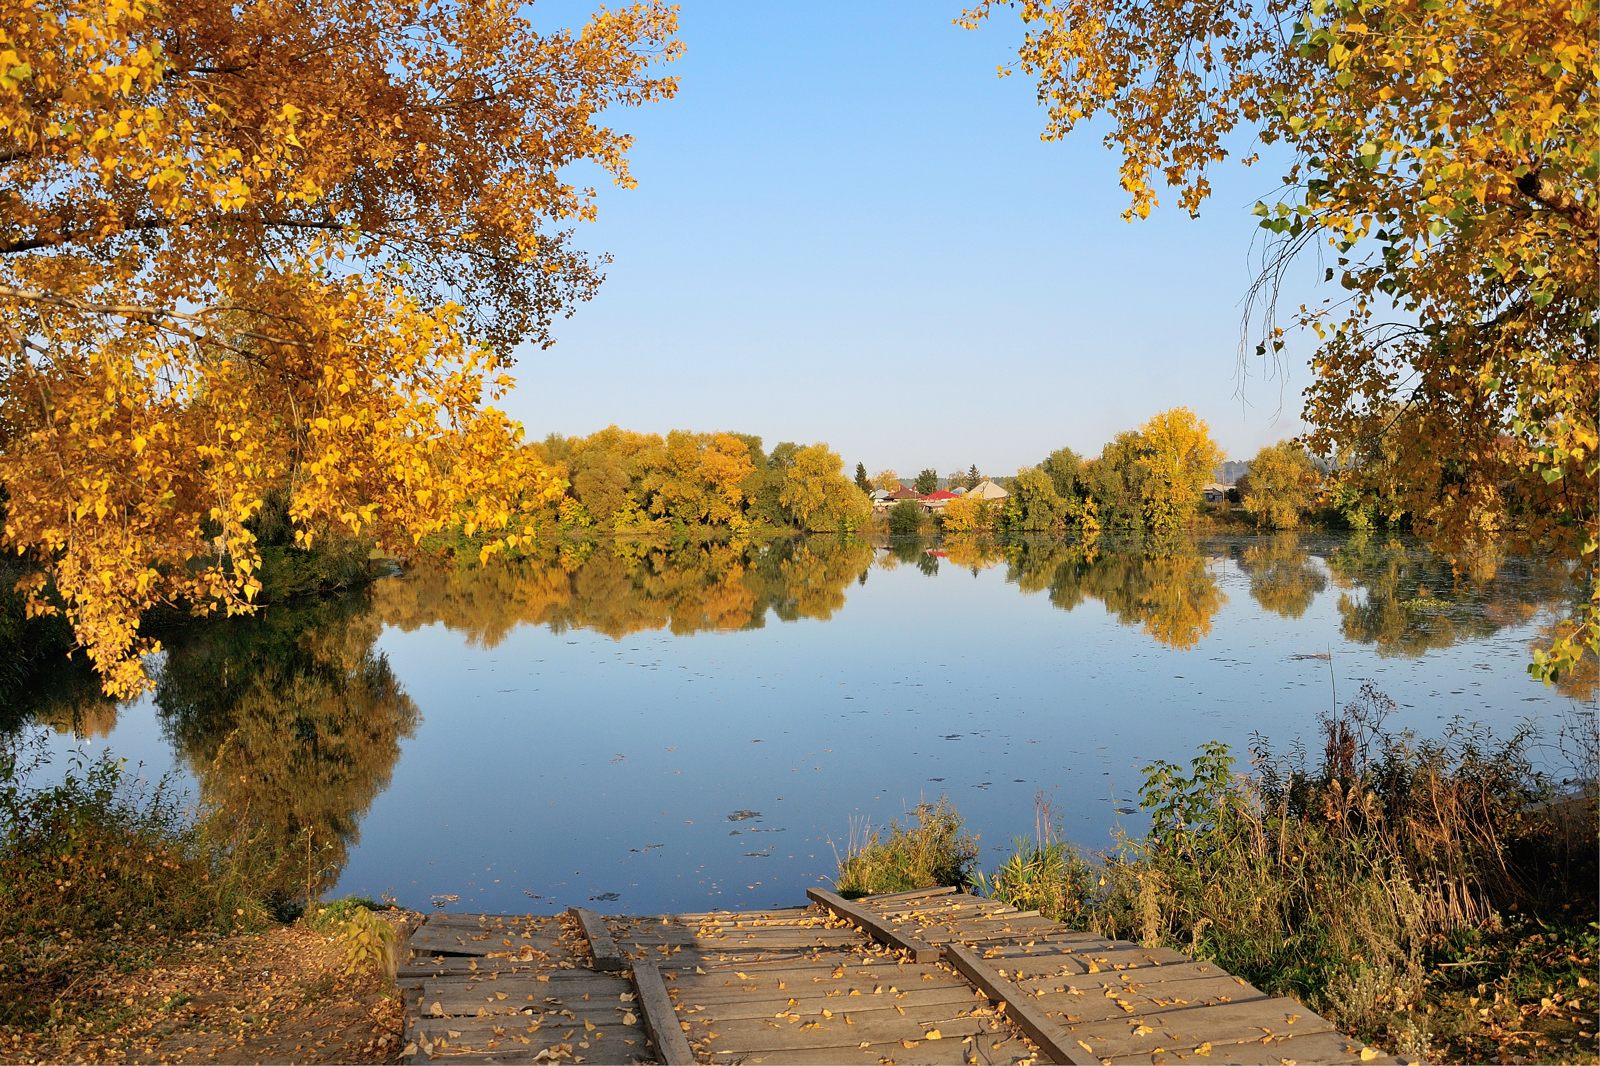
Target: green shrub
pixel 905 517
pixel 1342 883
pixel 362 934
pixel 932 853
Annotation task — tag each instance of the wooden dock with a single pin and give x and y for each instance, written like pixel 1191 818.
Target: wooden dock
pixel 921 977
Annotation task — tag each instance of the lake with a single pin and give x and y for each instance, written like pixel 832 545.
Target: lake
pixel 650 730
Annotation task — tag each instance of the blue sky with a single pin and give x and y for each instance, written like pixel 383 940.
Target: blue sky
pixel 847 229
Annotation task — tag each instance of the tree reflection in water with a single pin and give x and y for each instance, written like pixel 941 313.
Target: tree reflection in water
pixel 626 587
pixel 1283 579
pixel 1406 601
pixel 291 723
pixel 1165 588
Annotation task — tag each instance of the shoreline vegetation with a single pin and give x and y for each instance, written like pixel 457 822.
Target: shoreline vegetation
pixel 639 493
pixel 1434 897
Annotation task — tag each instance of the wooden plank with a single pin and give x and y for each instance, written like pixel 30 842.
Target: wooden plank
pixel 433 939
pixel 1040 1029
pixel 466 965
pixel 1329 1048
pixel 604 949
pixel 525 1036
pixel 755 1035
pixel 991 1048
pixel 948 997
pixel 874 925
pixel 458 1000
pixel 915 893
pixel 660 1017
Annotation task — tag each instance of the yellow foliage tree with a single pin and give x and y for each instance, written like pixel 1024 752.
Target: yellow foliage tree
pixel 818 494
pixel 1282 484
pixel 887 480
pixel 1442 151
pixel 263 247
pixel 696 478
pixel 966 515
pixel 1178 457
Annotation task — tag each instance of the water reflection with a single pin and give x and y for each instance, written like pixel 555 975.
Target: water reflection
pixel 290 721
pixel 1407 601
pixel 1283 577
pixel 1170 593
pixel 622 589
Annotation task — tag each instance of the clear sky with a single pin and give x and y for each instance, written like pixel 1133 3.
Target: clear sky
pixel 847 229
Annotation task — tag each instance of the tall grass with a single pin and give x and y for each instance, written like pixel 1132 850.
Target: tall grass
pixel 933 851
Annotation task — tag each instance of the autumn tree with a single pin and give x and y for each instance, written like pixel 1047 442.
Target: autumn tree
pixel 1115 482
pixel 927 481
pixel 863 482
pixel 1178 455
pixel 819 496
pixel 251 247
pixel 1281 486
pixel 886 480
pixel 1033 504
pixel 1063 466
pixel 1440 156
pixel 968 515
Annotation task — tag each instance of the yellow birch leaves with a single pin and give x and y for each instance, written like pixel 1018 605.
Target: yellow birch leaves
pixel 262 249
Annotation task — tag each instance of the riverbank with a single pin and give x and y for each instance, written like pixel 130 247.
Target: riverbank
pixel 282 994
pixel 1434 898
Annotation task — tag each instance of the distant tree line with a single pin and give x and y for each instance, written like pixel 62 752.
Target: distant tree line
pixel 621 482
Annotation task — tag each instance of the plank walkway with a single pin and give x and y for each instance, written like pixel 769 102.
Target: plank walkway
pixel 924 977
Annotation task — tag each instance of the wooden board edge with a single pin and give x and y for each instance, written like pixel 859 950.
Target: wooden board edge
pixel 1040 1029
pixel 873 925
pixel 604 949
pixel 660 1017
pixel 916 893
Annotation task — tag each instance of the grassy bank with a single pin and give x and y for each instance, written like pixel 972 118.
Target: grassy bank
pixel 109 882
pixel 1434 897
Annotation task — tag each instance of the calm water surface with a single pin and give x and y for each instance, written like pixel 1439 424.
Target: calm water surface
pixel 684 730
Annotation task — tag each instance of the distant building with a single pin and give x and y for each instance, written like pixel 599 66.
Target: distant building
pixel 935 501
pixel 903 493
pixel 1215 492
pixel 987 490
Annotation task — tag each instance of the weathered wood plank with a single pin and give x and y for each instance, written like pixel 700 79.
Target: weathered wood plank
pixel 601 946
pixel 755 1035
pixel 465 965
pixel 873 924
pixel 459 1000
pixel 915 893
pixel 508 1035
pixel 1323 1047
pixel 660 1017
pixel 986 1050
pixel 1032 1021
pixel 951 997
